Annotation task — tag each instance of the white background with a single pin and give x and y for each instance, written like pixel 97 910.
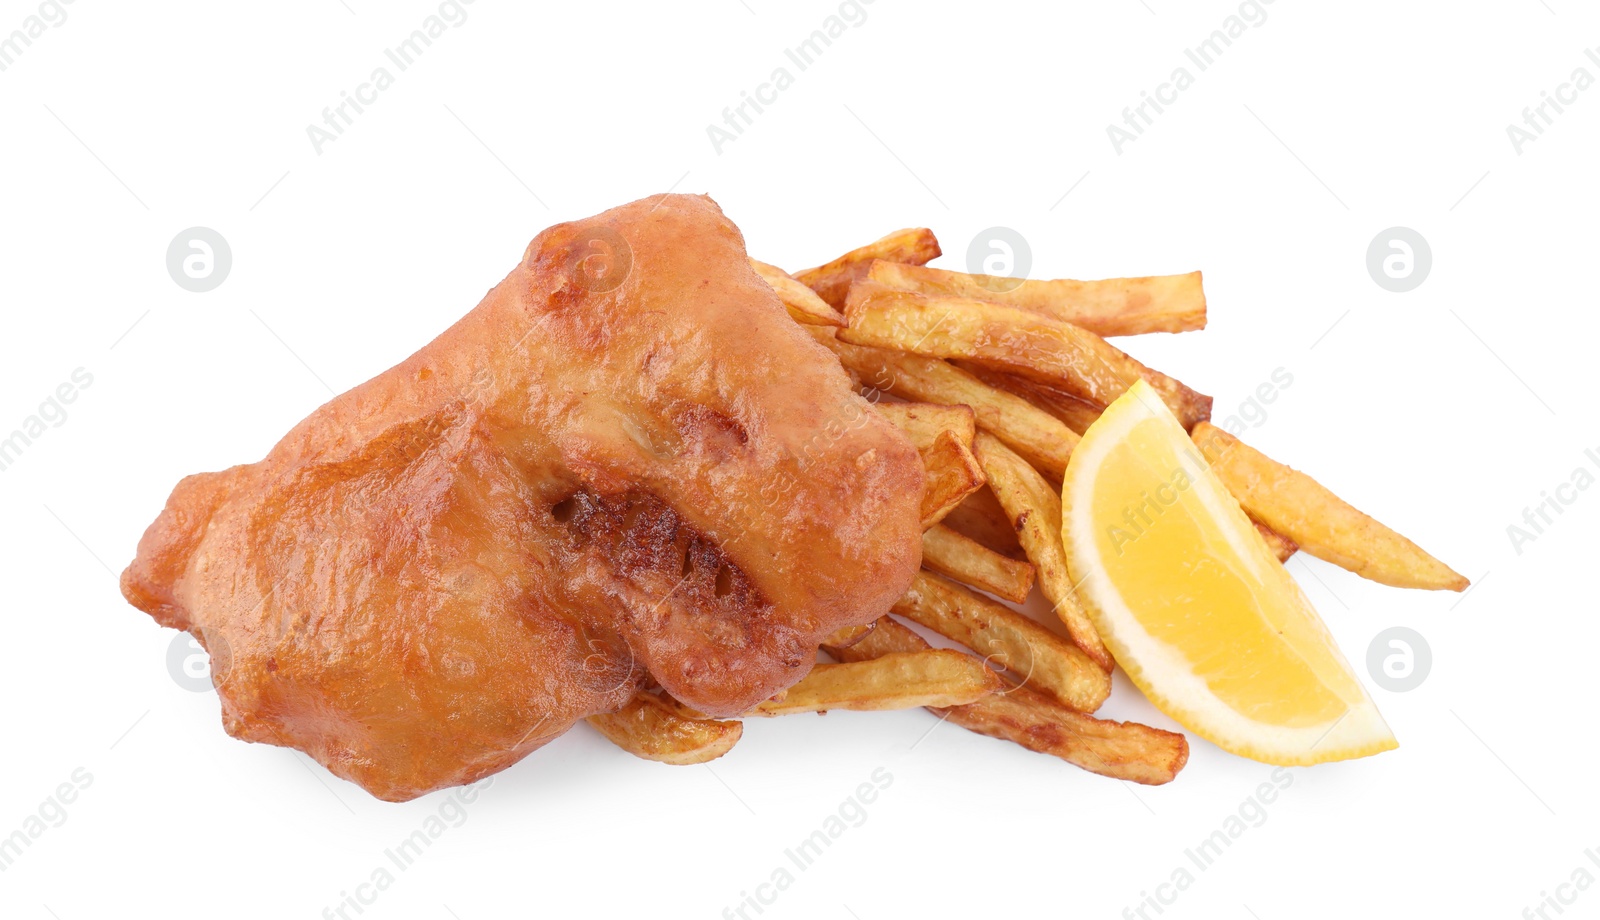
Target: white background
pixel 1445 412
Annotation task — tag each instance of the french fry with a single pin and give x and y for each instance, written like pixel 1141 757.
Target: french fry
pixel 950 474
pixel 980 518
pixel 906 680
pixel 802 303
pixel 888 637
pixel 1034 508
pixel 846 636
pixel 1039 657
pixel 922 422
pixel 1021 341
pixel 652 729
pixel 1324 525
pixel 949 553
pixel 1079 415
pixel 832 282
pixel 1027 429
pixel 943 436
pixel 1073 412
pixel 1123 750
pixel 1281 546
pixel 1115 306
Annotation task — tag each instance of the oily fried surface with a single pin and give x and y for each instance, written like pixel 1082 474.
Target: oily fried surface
pixel 627 464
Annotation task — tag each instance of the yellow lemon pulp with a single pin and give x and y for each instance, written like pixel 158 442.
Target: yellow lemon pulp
pixel 1193 604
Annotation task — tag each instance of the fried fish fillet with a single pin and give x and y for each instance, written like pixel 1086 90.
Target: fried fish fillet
pixel 626 465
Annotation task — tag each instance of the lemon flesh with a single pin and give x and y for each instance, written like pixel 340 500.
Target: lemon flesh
pixel 1194 605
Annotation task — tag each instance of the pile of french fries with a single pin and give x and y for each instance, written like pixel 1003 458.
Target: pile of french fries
pixel 996 380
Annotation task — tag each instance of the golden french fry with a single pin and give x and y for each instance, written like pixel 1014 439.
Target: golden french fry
pixel 922 422
pixel 846 636
pixel 906 680
pixel 1034 508
pixel 1323 524
pixel 949 553
pixel 802 303
pixel 1281 546
pixel 1115 306
pixel 1123 750
pixel 980 518
pixel 1038 657
pixel 914 246
pixel 943 436
pixel 951 473
pixel 1029 430
pixel 1053 352
pixel 888 637
pixel 1077 415
pixel 653 729
pixel 1073 412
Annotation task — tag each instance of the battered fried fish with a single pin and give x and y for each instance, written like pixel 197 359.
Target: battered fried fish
pixel 627 464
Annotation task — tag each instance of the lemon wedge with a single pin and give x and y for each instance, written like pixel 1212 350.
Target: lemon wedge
pixel 1193 604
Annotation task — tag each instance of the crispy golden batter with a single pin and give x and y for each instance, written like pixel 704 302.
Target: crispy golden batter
pixel 626 461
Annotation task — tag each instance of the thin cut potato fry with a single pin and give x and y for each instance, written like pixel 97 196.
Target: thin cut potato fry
pixel 1039 657
pixel 980 518
pixel 1115 306
pixel 1323 524
pixel 1079 415
pixel 846 636
pixel 970 562
pixel 1281 546
pixel 966 560
pixel 951 473
pixel 1034 508
pixel 888 637
pixel 922 422
pixel 1053 352
pixel 914 246
pixel 1027 429
pixel 906 680
pixel 653 729
pixel 802 303
pixel 1123 750
pixel 1075 413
